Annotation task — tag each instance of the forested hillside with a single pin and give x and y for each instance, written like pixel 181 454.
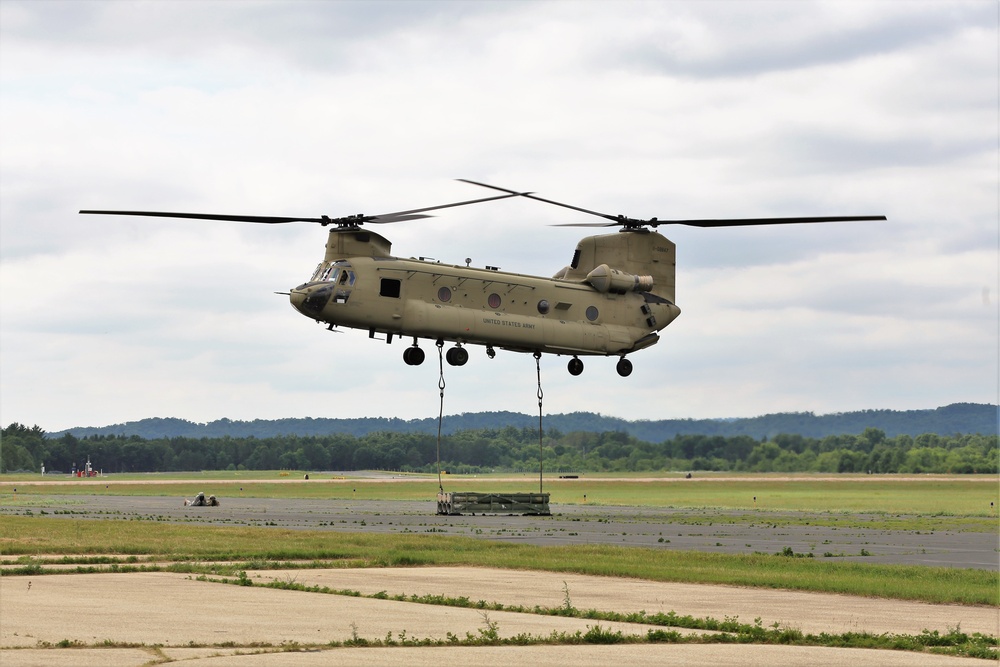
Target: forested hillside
pixel 506 449
pixel 957 418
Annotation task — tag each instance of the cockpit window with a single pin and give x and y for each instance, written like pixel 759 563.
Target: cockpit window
pixel 337 272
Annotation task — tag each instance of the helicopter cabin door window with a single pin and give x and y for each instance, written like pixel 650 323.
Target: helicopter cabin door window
pixel 390 288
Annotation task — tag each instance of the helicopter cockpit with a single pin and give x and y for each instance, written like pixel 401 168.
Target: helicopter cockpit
pixel 340 273
pixel 331 282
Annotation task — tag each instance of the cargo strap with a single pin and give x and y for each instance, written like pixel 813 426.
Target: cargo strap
pixel 441 386
pixel 538 367
pixel 440 346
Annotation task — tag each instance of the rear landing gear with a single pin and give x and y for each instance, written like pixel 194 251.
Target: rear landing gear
pixel 624 367
pixel 457 356
pixel 575 366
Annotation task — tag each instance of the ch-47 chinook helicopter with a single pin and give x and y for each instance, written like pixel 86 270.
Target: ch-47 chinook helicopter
pixel 612 299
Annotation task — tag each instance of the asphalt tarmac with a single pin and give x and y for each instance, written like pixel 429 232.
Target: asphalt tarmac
pixel 708 530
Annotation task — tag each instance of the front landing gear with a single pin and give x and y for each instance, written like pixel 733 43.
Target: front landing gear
pixel 624 367
pixel 575 366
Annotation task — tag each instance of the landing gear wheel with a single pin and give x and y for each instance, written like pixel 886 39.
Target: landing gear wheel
pixel 457 356
pixel 490 352
pixel 575 366
pixel 413 356
pixel 624 367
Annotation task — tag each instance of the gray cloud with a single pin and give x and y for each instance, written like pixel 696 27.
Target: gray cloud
pixel 753 39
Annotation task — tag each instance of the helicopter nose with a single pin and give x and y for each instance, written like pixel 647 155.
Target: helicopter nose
pixel 297 298
pixel 310 301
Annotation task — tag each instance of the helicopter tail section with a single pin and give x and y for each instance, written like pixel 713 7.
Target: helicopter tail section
pixel 631 260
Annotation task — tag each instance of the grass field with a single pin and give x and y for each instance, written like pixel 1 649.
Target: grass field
pixel 196 548
pixel 902 503
pixel 959 495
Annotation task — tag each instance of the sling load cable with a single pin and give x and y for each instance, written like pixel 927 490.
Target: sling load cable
pixel 440 346
pixel 538 367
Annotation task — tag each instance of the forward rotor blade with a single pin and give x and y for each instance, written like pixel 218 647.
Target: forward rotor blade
pixel 587 224
pixel 393 217
pixel 271 220
pixel 382 218
pixel 385 218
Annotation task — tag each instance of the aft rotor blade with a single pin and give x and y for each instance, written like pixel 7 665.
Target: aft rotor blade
pixel 724 222
pixel 625 221
pixel 530 195
pixel 744 222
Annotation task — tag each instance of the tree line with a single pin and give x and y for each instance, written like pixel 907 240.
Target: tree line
pixel 507 449
pixel 954 418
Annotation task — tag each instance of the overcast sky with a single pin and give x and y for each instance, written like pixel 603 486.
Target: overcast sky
pixel 668 109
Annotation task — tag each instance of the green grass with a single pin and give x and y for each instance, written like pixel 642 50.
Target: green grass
pixel 870 502
pixel 729 631
pixel 31 536
pixel 959 495
pixel 233 475
pixel 954 496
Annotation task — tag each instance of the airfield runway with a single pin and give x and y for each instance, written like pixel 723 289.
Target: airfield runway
pixel 158 617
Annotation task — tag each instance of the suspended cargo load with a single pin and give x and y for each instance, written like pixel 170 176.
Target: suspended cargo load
pixel 471 502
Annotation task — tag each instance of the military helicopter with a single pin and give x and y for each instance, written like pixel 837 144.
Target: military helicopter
pixel 617 292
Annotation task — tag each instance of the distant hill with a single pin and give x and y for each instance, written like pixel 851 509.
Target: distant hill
pixel 948 420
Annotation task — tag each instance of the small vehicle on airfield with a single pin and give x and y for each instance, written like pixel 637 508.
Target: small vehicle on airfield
pixel 613 298
pixel 201 501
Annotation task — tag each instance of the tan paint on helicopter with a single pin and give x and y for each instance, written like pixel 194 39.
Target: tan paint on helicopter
pixel 612 273
pixel 617 292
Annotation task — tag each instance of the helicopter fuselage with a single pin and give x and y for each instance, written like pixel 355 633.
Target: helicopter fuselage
pixel 590 308
pixel 612 299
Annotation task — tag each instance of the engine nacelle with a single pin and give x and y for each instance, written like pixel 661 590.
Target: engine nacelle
pixel 605 279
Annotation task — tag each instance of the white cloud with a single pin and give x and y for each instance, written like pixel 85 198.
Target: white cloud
pixel 648 109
